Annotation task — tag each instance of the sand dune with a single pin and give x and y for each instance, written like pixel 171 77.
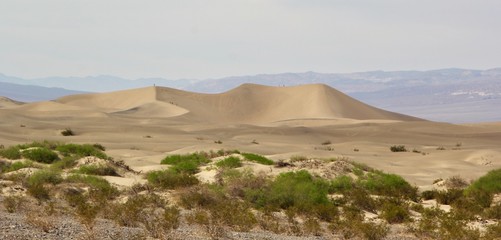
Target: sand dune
pixel 141 126
pixel 7 102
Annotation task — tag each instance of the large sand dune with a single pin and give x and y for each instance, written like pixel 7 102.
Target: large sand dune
pixel 140 126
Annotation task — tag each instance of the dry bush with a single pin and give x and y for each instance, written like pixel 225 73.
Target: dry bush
pixel 40 221
pixel 456 182
pixel 13 203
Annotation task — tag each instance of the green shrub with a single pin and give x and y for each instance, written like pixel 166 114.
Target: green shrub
pixel 341 184
pixel 100 170
pixel 388 185
pixel 11 153
pixel 257 158
pixel 395 211
pixel 42 155
pixel 373 231
pixel 298 158
pixel 490 183
pixel 188 163
pixel 170 179
pixel 429 194
pixel 230 162
pixel 298 190
pixel 83 150
pixel 66 162
pixel 19 165
pixel 398 148
pixel 35 183
pixel 100 189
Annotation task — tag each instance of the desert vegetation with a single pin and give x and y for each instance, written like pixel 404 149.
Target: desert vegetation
pixel 358 202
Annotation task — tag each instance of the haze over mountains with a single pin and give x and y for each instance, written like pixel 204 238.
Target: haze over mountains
pixel 451 95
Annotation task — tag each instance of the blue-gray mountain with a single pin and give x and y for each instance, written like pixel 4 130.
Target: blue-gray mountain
pixel 452 95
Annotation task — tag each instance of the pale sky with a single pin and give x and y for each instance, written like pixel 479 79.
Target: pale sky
pixel 218 38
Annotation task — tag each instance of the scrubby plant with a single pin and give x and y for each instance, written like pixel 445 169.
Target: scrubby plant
pixel 100 189
pixel 395 210
pixel 36 183
pixel 67 132
pixel 170 179
pixel 341 184
pixel 12 152
pixel 389 185
pixel 81 150
pixel 398 148
pixel 19 165
pixel 230 162
pixel 298 158
pixel 257 158
pixel 42 155
pixel 188 163
pixel 456 182
pixel 100 170
pixel 326 142
pixel 13 203
pixel 449 196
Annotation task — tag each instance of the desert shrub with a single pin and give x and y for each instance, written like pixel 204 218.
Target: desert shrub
pixel 490 183
pixel 466 208
pixel 65 162
pixel 373 231
pixel 455 182
pixel 233 213
pixel 40 144
pixel 341 184
pixel 448 196
pixel 388 185
pixel 298 158
pixel 398 148
pixel 230 162
pixel 12 152
pixel 441 148
pixel 493 231
pixel 299 190
pixel 451 227
pixel 67 132
pixel 187 163
pixel 326 142
pixel 360 198
pixel 494 212
pixel 170 179
pixel 395 211
pixel 200 196
pixel 99 147
pixel 35 183
pixel 4 165
pixel 429 194
pixel 19 165
pixel 13 203
pixel 237 183
pixel 83 150
pixel 42 155
pixel 100 189
pixel 100 170
pixel 257 158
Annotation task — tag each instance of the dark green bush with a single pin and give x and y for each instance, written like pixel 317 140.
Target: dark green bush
pixel 395 211
pixel 170 179
pixel 388 185
pixel 299 190
pixel 398 148
pixel 83 150
pixel 67 132
pixel 449 196
pixel 230 162
pixel 100 170
pixel 42 155
pixel 35 183
pixel 188 163
pixel 257 158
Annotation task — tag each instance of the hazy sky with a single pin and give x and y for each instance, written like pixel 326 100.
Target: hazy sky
pixel 216 38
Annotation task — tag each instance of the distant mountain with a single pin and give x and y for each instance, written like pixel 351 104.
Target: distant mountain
pixel 27 93
pixel 452 95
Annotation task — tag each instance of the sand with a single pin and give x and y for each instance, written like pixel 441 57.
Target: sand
pixel 141 126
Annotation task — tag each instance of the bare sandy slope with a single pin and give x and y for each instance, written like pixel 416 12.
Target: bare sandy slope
pixel 7 102
pixel 141 126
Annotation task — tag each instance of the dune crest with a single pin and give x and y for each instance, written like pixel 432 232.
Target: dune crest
pixel 248 104
pixel 7 102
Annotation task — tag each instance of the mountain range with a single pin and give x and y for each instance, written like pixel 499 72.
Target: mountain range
pixel 450 95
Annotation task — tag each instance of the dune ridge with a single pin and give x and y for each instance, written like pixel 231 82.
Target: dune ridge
pixel 248 103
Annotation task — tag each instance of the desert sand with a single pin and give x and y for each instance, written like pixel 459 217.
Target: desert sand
pixel 141 126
